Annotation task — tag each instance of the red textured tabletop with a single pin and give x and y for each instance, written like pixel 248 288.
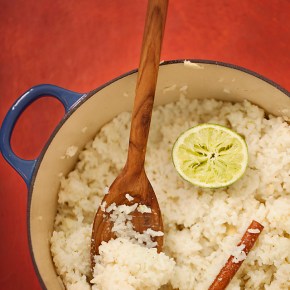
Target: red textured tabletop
pixel 79 45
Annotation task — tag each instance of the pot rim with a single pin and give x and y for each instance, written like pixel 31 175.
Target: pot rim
pixel 85 97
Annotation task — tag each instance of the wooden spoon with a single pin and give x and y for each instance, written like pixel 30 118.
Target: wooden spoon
pixel 133 179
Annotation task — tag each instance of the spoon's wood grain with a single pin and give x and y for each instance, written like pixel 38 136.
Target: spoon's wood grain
pixel 133 179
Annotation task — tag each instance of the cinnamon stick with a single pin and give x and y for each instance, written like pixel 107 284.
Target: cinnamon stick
pixel 234 262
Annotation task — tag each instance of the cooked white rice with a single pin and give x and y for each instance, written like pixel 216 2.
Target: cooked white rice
pixel 145 269
pixel 201 226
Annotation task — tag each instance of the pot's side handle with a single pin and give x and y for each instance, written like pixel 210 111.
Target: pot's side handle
pixel 26 167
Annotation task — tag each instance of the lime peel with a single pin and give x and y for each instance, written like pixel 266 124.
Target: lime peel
pixel 210 155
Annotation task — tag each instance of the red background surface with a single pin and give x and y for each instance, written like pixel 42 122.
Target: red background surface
pixel 80 45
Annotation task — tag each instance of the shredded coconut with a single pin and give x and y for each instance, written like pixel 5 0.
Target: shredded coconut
pixel 238 254
pixel 254 231
pixel 111 207
pixel 144 208
pixel 169 88
pixel 129 197
pixel 70 152
pixel 153 233
pixel 84 129
pixel 106 190
pixel 103 206
pixel 121 218
pixel 193 65
pixel 183 89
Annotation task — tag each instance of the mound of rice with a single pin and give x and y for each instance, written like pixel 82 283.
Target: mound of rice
pixel 201 226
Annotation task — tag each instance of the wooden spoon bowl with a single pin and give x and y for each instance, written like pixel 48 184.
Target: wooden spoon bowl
pixel 132 179
pixel 139 188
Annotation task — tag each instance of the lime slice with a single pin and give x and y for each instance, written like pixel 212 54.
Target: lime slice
pixel 210 155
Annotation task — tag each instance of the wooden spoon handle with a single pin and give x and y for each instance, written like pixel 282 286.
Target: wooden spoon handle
pixel 146 82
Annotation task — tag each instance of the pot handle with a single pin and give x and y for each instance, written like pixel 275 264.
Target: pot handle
pixel 26 167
